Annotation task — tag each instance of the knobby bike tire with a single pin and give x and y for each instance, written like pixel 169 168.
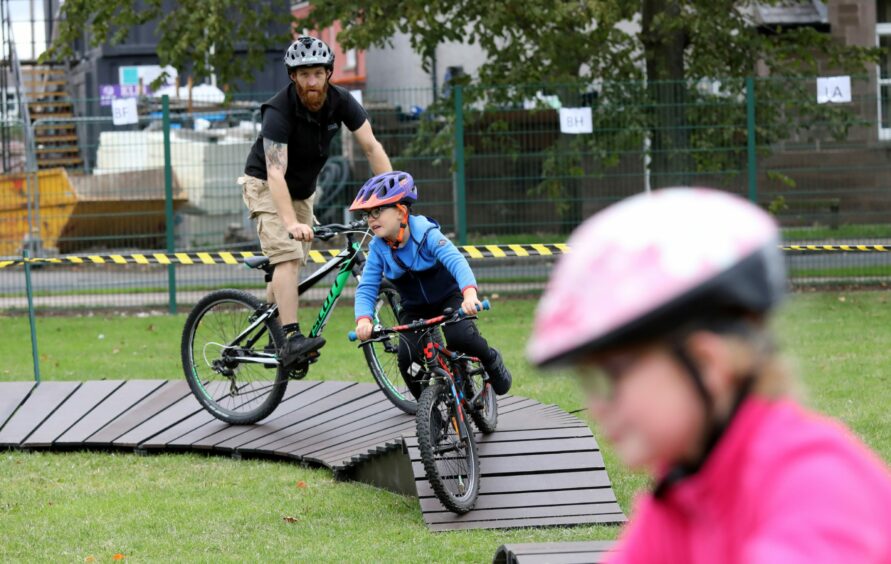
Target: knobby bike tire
pixel 442 467
pixel 228 312
pixel 383 357
pixel 486 417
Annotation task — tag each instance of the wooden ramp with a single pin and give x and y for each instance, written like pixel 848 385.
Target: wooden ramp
pixel 592 552
pixel 542 467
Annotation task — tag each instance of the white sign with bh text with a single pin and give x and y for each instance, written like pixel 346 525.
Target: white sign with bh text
pixel 123 111
pixel 833 89
pixel 576 120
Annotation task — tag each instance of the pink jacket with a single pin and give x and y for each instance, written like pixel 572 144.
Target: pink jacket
pixel 783 485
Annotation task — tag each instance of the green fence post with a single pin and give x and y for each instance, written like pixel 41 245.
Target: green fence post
pixel 750 138
pixel 35 357
pixel 458 177
pixel 168 204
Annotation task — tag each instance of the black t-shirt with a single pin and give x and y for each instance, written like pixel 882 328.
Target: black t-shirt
pixel 308 135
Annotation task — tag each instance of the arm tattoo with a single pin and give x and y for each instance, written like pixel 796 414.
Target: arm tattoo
pixel 276 155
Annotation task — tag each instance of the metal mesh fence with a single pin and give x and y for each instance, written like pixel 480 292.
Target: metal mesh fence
pixel 492 164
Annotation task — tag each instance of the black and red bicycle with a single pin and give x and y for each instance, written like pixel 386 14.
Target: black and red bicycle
pixel 455 386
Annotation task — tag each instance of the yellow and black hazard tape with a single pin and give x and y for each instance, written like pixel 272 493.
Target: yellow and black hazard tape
pixel 237 257
pixel 320 257
pixel 837 248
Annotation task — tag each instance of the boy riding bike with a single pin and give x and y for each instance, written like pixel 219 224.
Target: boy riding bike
pixel 428 271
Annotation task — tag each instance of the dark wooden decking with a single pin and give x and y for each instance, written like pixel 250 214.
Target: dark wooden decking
pixel 592 552
pixel 542 466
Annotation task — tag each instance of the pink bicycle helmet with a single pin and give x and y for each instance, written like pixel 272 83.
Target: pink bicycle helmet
pixel 389 188
pixel 653 263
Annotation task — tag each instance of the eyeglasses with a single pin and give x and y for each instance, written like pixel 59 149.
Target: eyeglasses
pixel 375 213
pixel 602 380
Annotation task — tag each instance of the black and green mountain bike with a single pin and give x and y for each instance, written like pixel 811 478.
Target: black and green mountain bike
pixel 231 339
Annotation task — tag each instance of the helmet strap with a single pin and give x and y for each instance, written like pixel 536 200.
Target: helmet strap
pixel 402 225
pixel 715 424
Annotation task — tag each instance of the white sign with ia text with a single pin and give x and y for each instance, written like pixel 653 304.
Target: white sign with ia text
pixel 576 120
pixel 124 112
pixel 833 89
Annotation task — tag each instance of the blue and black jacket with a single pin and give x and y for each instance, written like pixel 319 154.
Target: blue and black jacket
pixel 426 271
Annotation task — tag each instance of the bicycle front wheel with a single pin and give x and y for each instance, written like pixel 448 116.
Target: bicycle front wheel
pixel 448 449
pixel 218 339
pixel 484 411
pixel 383 356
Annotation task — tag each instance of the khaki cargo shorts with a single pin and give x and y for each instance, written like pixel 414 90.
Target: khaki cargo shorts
pixel 274 240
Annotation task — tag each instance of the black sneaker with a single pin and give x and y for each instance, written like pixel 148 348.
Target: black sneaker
pixel 499 376
pixel 298 347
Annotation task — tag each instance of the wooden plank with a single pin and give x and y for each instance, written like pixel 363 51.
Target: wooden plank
pixel 81 402
pixel 530 499
pixel 522 448
pixel 577 510
pixel 361 448
pixel 190 424
pixel 12 394
pixel 519 435
pixel 532 463
pixel 361 422
pixel 340 455
pixel 118 402
pixel 42 402
pixel 199 437
pixel 295 408
pixel 558 547
pixel 296 420
pixel 360 436
pixel 554 552
pixel 530 482
pixel 528 522
pixel 182 409
pixel 158 401
pixel 333 419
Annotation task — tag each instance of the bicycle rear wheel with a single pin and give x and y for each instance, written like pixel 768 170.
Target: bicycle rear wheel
pixel 383 356
pixel 448 449
pixel 215 339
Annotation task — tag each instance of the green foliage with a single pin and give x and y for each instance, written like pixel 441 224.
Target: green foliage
pixel 197 36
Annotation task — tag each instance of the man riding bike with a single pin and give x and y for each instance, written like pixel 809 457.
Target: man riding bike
pixel 279 181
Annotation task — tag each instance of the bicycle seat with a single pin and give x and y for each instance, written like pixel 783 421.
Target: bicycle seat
pixel 256 262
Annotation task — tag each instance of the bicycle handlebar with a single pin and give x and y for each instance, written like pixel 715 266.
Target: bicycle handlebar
pixel 447 317
pixel 325 232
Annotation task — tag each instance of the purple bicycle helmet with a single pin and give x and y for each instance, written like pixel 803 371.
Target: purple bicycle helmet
pixel 389 188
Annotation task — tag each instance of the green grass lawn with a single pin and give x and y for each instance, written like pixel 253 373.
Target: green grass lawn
pixel 181 507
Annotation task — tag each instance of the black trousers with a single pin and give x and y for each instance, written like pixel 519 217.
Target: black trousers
pixel 462 336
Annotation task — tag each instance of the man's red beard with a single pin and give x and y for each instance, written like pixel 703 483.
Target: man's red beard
pixel 313 98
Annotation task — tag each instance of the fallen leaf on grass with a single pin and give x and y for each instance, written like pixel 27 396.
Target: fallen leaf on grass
pixel 151 327
pixel 301 484
pixel 289 519
pixel 90 558
pixel 118 556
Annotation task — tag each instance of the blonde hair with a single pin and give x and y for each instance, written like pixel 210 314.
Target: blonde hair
pixel 756 356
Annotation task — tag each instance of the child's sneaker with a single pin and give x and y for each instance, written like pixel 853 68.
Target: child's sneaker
pixel 499 376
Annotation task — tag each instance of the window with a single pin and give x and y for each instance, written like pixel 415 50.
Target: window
pixel 350 60
pixel 883 74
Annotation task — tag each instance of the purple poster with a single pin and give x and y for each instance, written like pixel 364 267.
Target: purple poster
pixel 108 92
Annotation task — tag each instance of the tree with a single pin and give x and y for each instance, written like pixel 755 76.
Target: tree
pixel 202 36
pixel 646 72
pixel 673 44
